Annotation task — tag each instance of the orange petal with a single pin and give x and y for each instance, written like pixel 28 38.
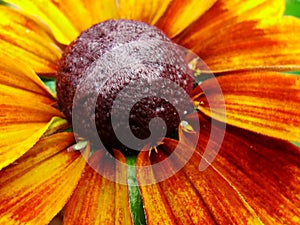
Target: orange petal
pixel 98 200
pixel 122 208
pixel 67 19
pixel 253 180
pixel 100 10
pixel 58 125
pixel 26 39
pixel 266 103
pixel 17 139
pixel 15 74
pixel 201 197
pixel 224 14
pixel 62 28
pixel 84 13
pixel 181 13
pixel 25 112
pixel 146 11
pixel 271 44
pixel 38 185
pixel 156 206
pixel 262 172
pixel 176 196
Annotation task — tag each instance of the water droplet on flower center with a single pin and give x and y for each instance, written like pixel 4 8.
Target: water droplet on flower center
pixel 83 57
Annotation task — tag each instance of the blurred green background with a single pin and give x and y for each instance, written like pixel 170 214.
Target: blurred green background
pixel 293 7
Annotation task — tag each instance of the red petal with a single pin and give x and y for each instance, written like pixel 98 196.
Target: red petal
pixel 263 172
pixel 98 200
pixel 155 204
pixel 268 44
pixel 253 180
pixel 266 103
pixel 224 14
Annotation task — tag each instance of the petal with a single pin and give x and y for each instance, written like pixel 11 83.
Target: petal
pixel 198 198
pixel 181 13
pixel 26 39
pixel 271 44
pixel 262 172
pixel 37 186
pixel 84 13
pixel 224 14
pixel 108 9
pixel 58 125
pixel 63 30
pixel 146 11
pixel 122 207
pixel 266 103
pixel 253 180
pixel 98 200
pixel 156 206
pixel 15 74
pixel 192 197
pixel 25 112
pixel 67 19
pixel 17 139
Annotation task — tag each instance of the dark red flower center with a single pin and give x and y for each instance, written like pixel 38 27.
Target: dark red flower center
pixel 94 71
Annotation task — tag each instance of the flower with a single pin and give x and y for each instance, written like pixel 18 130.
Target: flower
pixel 254 179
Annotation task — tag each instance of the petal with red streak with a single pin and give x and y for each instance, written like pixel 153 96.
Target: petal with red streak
pixel 63 30
pixel 181 13
pixel 26 39
pixel 26 110
pixel 67 19
pixel 224 14
pixel 253 180
pixel 157 209
pixel 98 199
pixel 270 44
pixel 262 171
pixel 37 186
pixel 267 103
pixel 198 197
pixel 15 74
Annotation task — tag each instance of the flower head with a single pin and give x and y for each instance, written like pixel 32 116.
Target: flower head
pixel 216 72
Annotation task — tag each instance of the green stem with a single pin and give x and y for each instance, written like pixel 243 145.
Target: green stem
pixel 136 203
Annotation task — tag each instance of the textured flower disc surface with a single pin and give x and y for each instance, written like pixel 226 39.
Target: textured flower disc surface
pixel 107 58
